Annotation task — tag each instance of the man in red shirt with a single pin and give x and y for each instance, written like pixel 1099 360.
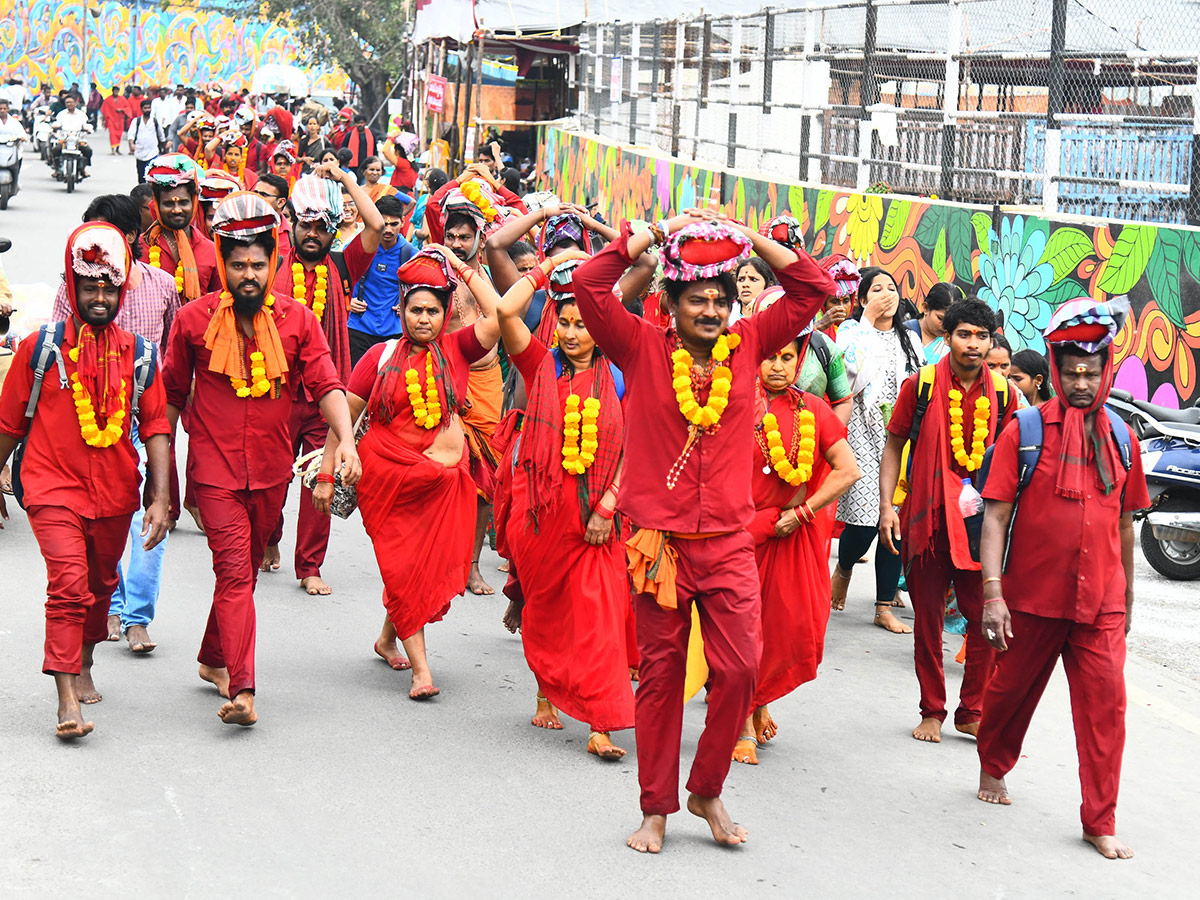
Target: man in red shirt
pixel 79 469
pixel 967 409
pixel 1068 587
pixel 173 243
pixel 440 205
pixel 689 414
pixel 309 275
pixel 244 353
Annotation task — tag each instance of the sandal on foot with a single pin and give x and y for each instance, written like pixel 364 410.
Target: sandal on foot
pixel 746 751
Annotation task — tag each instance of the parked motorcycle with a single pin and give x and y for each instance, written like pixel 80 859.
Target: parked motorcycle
pixel 1170 440
pixel 10 164
pixel 41 130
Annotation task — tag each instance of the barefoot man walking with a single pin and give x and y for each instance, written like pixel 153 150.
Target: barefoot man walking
pixel 249 353
pixel 1068 587
pixel 690 418
pixel 79 469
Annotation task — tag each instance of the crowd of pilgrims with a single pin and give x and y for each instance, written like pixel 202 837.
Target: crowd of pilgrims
pixel 663 426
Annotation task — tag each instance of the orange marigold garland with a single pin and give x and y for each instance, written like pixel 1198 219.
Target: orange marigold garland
pixel 979 432
pixel 578 456
pixel 701 419
pixel 804 445
pixel 427 410
pixel 320 288
pixel 89 429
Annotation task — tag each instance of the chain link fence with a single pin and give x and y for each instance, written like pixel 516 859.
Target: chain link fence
pixel 1072 106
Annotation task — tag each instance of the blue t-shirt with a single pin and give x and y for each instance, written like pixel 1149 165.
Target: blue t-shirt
pixel 380 290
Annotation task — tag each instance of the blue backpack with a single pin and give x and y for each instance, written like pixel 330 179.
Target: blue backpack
pixel 1029 451
pixel 49 348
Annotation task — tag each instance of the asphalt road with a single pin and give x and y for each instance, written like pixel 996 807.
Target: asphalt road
pixel 346 788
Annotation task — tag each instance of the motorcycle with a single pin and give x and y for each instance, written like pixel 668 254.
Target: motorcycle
pixel 10 162
pixel 1170 441
pixel 68 160
pixel 41 130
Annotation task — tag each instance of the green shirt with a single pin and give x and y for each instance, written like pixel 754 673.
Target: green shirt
pixel 828 381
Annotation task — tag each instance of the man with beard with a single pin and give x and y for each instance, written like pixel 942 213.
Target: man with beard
pixel 1068 571
pixel 148 309
pixel 313 277
pixel 79 469
pixel 173 244
pixel 248 352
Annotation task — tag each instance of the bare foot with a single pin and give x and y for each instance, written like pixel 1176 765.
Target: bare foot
pixel 929 730
pixel 764 726
pixel 85 688
pixel 475 583
pixel 746 750
pixel 240 710
pixel 392 656
pixel 71 724
pixel 884 619
pixel 195 511
pixel 633 673
pixel 712 811
pixel 839 584
pixel 114 628
pixel 139 639
pixel 649 837
pixel 545 716
pixel 172 524
pixel 512 615
pixel 503 567
pixel 601 745
pixel 217 677
pixel 993 790
pixel 898 601
pixel 971 728
pixel 314 585
pixel 422 686
pixel 270 561
pixel 1108 846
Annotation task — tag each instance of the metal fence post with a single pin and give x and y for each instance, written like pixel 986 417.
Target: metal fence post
pixel 735 94
pixel 1193 201
pixel 654 84
pixel 1054 106
pixel 806 161
pixel 950 100
pixel 868 96
pixel 676 116
pixel 635 50
pixel 598 81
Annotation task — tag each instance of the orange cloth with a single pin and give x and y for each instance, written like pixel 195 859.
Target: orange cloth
pixel 485 393
pixel 191 276
pixel 653 564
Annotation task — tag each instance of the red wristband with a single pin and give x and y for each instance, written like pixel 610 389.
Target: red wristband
pixel 537 277
pixel 325 478
pixel 993 600
pixel 604 513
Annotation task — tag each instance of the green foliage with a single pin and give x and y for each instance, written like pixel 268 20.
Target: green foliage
pixel 1066 249
pixel 1130 256
pixel 1163 273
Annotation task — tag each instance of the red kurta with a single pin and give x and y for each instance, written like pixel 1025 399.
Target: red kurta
pixel 793 570
pixel 113 110
pixel 202 249
pixel 576 593
pixel 419 514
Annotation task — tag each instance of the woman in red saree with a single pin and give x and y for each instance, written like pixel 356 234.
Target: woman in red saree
pixel 560 530
pixel 416 495
pixel 802 464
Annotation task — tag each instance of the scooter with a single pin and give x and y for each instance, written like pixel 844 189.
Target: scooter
pixel 10 163
pixel 41 131
pixel 1170 441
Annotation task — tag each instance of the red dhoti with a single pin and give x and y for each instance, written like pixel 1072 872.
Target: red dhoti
pixel 309 432
pixel 929 577
pixel 81 574
pixel 1094 659
pixel 236 524
pixel 573 627
pixel 718 574
pixel 485 391
pixel 420 516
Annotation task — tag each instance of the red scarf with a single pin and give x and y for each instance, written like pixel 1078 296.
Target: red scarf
pixel 935 485
pixel 540 450
pixel 391 393
pixel 1073 457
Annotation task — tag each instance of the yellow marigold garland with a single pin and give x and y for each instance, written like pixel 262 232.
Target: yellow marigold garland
pixel 979 432
pixel 578 457
pixel 427 410
pixel 474 193
pixel 320 288
pixel 805 427
pixel 156 261
pixel 709 415
pixel 258 385
pixel 91 432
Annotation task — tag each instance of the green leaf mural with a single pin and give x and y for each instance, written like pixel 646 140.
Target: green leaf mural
pixel 1131 254
pixel 982 223
pixel 930 226
pixel 824 199
pixel 1066 249
pixel 893 225
pixel 958 243
pixel 939 256
pixel 1058 294
pixel 1163 273
pixel 1191 255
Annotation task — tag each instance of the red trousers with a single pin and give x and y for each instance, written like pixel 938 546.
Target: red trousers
pixel 236 524
pixel 309 432
pixel 81 574
pixel 929 578
pixel 719 575
pixel 1094 659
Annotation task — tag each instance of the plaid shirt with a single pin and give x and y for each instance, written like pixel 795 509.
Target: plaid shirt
pixel 148 310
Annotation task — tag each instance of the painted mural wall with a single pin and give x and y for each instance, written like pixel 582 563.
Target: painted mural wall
pixel 1022 264
pixel 146 44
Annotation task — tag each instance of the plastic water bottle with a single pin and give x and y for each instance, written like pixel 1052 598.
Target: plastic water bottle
pixel 970 503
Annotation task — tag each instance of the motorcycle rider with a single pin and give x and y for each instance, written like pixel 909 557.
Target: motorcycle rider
pixel 10 126
pixel 72 119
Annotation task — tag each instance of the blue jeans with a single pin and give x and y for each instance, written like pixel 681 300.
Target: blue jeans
pixel 137 592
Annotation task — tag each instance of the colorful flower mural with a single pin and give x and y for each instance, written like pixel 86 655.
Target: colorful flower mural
pixel 1023 265
pixel 147 44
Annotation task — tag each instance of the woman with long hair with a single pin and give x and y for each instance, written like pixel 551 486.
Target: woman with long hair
pixel 879 353
pixel 1030 372
pixel 752 278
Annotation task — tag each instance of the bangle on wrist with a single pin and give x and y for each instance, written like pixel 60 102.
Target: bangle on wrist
pixel 604 513
pixel 991 579
pixel 992 600
pixel 325 478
